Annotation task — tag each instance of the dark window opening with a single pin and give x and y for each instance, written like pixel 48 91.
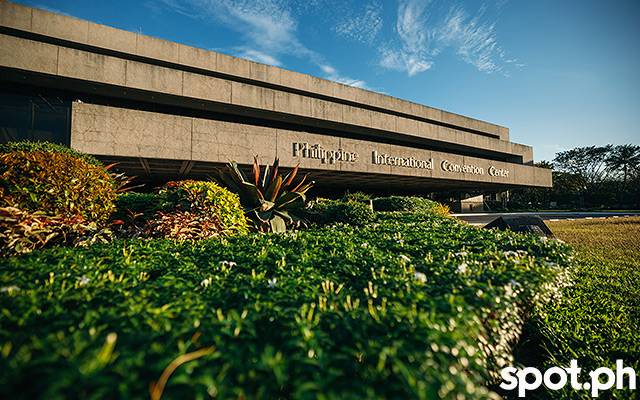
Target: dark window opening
pixel 32 116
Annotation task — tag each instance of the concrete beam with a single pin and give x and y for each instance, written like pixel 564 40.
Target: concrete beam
pixel 111 131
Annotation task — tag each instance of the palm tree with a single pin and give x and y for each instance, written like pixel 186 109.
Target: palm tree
pixel 624 158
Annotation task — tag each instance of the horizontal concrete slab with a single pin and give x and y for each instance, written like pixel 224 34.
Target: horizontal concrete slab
pixel 112 131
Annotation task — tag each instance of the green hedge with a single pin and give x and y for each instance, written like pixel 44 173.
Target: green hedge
pixel 408 307
pixel 137 207
pixel 355 213
pixel 406 204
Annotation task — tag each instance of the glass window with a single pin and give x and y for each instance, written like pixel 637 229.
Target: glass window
pixel 34 117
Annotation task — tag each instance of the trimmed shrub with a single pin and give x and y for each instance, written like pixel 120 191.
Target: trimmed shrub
pixel 28 146
pixel 59 183
pixel 325 212
pixel 352 213
pixel 397 203
pixel 188 204
pixel 137 208
pixel 356 197
pixel 182 210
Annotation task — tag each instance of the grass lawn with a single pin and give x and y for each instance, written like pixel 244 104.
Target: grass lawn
pixel 597 320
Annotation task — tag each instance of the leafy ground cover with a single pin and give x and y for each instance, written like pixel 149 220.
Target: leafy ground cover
pixel 597 319
pixel 409 306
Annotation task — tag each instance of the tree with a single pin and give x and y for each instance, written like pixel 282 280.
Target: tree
pixel 625 159
pixel 543 164
pixel 588 164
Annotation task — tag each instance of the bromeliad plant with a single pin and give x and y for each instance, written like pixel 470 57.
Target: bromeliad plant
pixel 270 201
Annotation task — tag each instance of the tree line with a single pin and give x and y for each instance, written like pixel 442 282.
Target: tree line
pixel 606 177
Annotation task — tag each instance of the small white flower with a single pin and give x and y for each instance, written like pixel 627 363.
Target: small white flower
pixel 404 258
pixel 461 254
pixel 365 244
pixel 510 253
pixel 400 241
pixel 228 263
pixel 9 289
pixel 420 277
pixel 83 280
pixel 271 283
pixel 205 282
pixel 508 290
pixel 462 268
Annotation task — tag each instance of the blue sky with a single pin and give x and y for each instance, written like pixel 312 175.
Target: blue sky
pixel 558 73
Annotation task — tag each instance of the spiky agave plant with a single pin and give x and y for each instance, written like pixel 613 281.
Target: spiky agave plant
pixel 270 201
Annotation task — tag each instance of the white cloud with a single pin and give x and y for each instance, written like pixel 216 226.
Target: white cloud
pixel 333 75
pixel 412 26
pixel 255 55
pixel 473 40
pixel 424 31
pixel 411 52
pixel 412 63
pixel 363 27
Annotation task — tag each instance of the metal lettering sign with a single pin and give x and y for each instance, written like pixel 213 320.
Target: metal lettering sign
pixel 408 162
pixel 316 151
pixel 325 156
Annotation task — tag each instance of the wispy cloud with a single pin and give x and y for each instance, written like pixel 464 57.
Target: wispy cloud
pixel 411 51
pixel 400 60
pixel 268 28
pixel 425 29
pixel 362 27
pixel 262 24
pixel 473 40
pixel 333 75
pixel 255 55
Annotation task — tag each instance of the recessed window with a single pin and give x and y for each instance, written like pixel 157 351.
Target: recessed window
pixel 34 117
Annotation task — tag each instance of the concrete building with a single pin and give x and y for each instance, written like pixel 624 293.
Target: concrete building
pixel 165 111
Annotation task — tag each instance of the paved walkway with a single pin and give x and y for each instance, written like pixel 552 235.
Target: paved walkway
pixel 485 218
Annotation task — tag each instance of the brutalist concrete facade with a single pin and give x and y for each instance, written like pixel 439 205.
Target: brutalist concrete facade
pixel 169 111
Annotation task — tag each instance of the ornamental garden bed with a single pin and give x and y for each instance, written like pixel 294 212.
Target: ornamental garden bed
pixel 410 305
pixel 112 295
